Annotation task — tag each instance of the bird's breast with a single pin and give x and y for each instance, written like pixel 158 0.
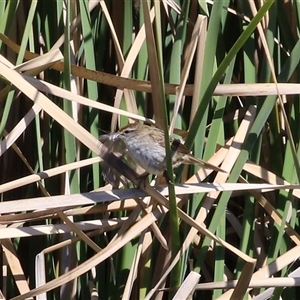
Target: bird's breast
pixel 149 157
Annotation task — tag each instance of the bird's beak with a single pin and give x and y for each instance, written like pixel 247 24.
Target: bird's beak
pixel 108 137
pixel 114 136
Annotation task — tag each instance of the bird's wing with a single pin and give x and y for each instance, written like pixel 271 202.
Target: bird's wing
pixel 177 145
pixel 109 173
pixel 118 148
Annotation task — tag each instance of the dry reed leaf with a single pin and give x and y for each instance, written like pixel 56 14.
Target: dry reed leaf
pixel 160 237
pixel 51 213
pixel 293 276
pixel 199 66
pixel 285 120
pixel 147 248
pixel 216 160
pixel 63 93
pixel 162 265
pixel 272 268
pixel 243 283
pixel 154 70
pixel 170 20
pixel 173 5
pixel 123 238
pixel 40 63
pixel 250 262
pixel 54 111
pixel 254 283
pixel 72 240
pixel 15 265
pixel 208 202
pixel 147 207
pixel 74 24
pixel 264 42
pixel 47 174
pixel 79 232
pixel 188 286
pixel 257 89
pixel 229 157
pixel 199 27
pixel 27 231
pixel 64 201
pixel 202 229
pixel 197 225
pixel 15 133
pixel 131 58
pixel 135 230
pixel 32 67
pixel 116 206
pixel 294 236
pixel 236 145
pixel 5 61
pixel 241 89
pixel 134 268
pixel 229 161
pixel 132 219
pixel 267 176
pixel 40 272
pixel 75 200
pixel 9 142
pixel 10 138
pixel 273 213
pixel 120 58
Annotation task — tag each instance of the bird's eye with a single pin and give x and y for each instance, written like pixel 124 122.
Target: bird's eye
pixel 126 131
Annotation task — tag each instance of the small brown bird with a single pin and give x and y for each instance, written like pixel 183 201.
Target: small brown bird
pixel 146 147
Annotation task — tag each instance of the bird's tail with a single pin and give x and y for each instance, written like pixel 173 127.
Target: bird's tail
pixel 197 161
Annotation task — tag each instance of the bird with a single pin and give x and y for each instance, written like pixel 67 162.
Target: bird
pixel 145 145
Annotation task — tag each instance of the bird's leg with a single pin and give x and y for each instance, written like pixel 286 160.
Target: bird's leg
pixel 166 176
pixel 142 179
